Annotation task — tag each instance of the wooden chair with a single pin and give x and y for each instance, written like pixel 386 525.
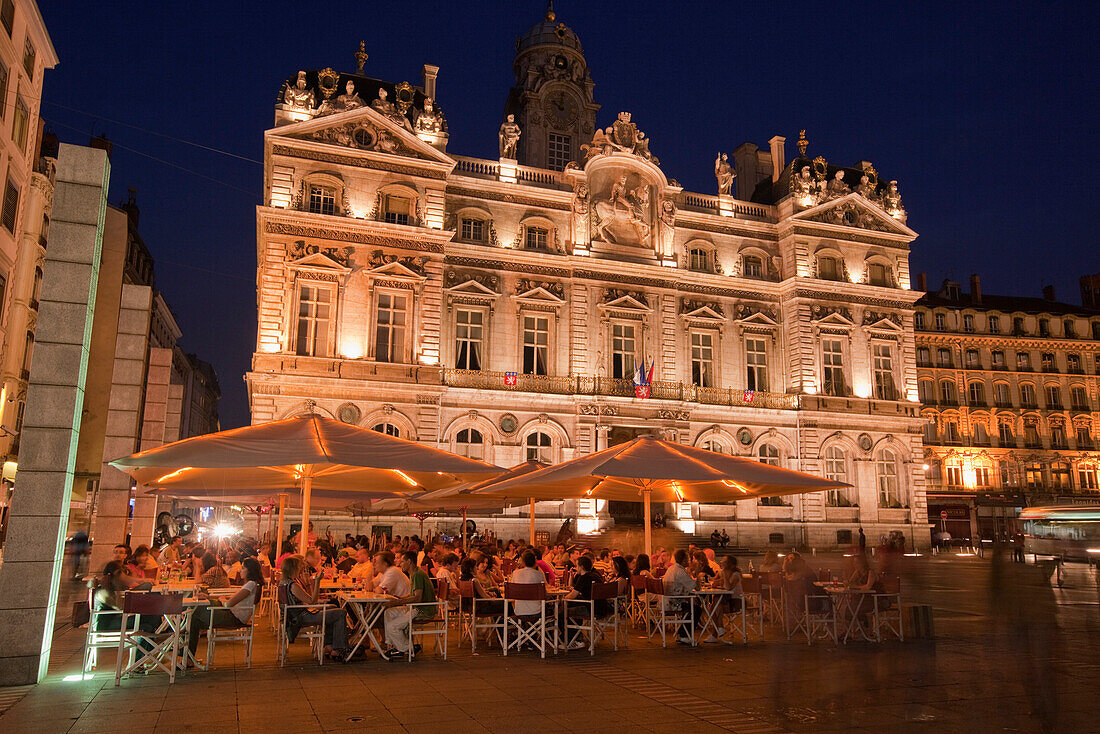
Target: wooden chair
pixel 586 625
pixel 489 618
pixel 753 604
pixel 820 618
pixel 636 608
pixel 527 628
pixel 315 633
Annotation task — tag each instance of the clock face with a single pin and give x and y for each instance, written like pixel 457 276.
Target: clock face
pixel 562 109
pixel 560 62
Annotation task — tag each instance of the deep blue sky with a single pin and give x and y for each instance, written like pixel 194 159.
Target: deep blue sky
pixel 981 111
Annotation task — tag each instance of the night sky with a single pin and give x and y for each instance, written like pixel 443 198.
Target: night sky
pixel 979 110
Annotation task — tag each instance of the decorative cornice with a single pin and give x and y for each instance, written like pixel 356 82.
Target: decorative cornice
pixel 359 238
pixel 345 160
pixel 847 298
pixel 705 226
pixel 476 262
pixel 804 227
pixel 508 198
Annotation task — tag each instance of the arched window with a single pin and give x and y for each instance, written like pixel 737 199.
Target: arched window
pixel 1059 476
pixel 699 259
pixel 539 447
pixel 947 392
pixel 977 393
pixel 886 470
pixel 470 443
pixel 387 428
pixel 752 266
pixel 836 469
pixel 828 267
pixel 981 435
pixel 715 446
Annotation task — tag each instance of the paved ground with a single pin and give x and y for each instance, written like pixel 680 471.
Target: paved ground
pixel 1011 654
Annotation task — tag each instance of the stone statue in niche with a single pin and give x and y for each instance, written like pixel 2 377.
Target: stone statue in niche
pixel 428 120
pixel 509 137
pixel 299 96
pixel 624 208
pixel 580 213
pixel 724 174
pixel 668 227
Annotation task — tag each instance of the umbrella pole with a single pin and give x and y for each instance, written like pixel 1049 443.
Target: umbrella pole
pixel 531 513
pixel 279 533
pixel 648 522
pixel 303 534
pixel 464 552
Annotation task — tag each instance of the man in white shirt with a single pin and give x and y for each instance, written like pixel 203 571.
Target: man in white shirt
pixel 391 581
pixel 363 570
pixel 678 582
pixel 528 573
pixel 171 553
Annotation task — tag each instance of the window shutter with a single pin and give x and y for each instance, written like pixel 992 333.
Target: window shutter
pixel 11 206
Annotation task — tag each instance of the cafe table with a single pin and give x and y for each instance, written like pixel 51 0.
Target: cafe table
pixel 710 600
pixel 846 603
pixel 367 607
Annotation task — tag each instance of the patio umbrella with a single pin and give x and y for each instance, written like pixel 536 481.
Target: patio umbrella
pixel 649 467
pixel 307 452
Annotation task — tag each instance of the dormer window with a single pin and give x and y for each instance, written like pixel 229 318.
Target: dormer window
pixel 828 268
pixel 876 274
pixel 968 324
pixel 918 321
pixel 699 259
pixel 994 325
pixel 397 209
pixel 472 230
pixel 1068 329
pixel 322 200
pixel 1044 327
pixel 941 322
pixel 952 291
pixel 536 238
pixel 752 266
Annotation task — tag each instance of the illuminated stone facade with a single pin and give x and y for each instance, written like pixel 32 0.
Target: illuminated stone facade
pixel 501 308
pixel 1009 390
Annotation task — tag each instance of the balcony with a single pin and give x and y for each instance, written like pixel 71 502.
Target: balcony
pixel 611 387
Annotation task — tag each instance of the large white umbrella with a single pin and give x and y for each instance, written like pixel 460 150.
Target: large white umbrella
pixel 310 453
pixel 648 467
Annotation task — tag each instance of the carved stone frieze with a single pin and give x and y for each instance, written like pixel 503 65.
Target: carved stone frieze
pixel 748 310
pixel 593 409
pixel 523 285
pixel 487 280
pixel 477 262
pixel 687 305
pixel 363 238
pixel 861 300
pixel 851 214
pixel 873 317
pixel 509 198
pixel 614 294
pixel 819 312
pixel 672 415
pixel 301 249
pixel 378 258
pixel 345 160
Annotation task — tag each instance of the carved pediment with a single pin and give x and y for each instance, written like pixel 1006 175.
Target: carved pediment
pixel 395 266
pixel 756 313
pixel 363 129
pixel 701 310
pixel 853 210
pixel 305 256
pixel 624 300
pixel 472 283
pixel 838 315
pixel 540 291
pixel 881 320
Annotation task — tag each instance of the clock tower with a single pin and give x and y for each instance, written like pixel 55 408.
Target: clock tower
pixel 552 97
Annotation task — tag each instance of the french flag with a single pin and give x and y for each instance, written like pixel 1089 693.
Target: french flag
pixel 642 379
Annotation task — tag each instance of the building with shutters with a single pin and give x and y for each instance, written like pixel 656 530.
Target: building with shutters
pixel 502 308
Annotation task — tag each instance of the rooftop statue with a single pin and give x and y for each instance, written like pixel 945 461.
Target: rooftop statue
pixel 299 96
pixel 724 174
pixel 349 100
pixel 509 137
pixel 837 187
pixel 428 120
pixel 891 201
pixel 803 188
pixel 384 107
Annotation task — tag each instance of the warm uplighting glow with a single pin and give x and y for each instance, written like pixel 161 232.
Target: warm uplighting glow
pixel 862 390
pixel 269 346
pixel 405 476
pixel 1092 550
pixel 351 350
pixel 925 467
pixel 587 525
pixel 169 475
pixel 429 359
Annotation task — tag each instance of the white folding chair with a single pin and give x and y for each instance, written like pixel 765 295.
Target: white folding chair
pixel 150 650
pixel 888 608
pixel 527 629
pixel 216 634
pixel 489 618
pixel 820 620
pixel 94 638
pixel 315 633
pixel 736 617
pixel 753 605
pixel 436 626
pixel 671 612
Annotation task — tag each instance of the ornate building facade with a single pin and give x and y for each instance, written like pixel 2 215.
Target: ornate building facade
pixel 1009 390
pixel 503 308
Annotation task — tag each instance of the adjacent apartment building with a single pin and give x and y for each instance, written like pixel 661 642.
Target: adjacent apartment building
pixel 1009 388
pixel 505 309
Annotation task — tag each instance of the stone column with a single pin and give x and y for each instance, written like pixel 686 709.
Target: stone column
pixel 34 552
pixel 110 523
pixel 153 426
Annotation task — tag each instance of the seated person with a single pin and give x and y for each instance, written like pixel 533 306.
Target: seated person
pixel 447 570
pixel 528 573
pixel 363 570
pixel 712 561
pixel 468 572
pixel 116 581
pixel 700 569
pixel 483 575
pixel 678 582
pixel 725 539
pixel 301 587
pixel 232 565
pixel 582 589
pixel 213 575
pixel 621 573
pixel 170 554
pixel 122 554
pixel 418 591
pixel 144 562
pixel 241 605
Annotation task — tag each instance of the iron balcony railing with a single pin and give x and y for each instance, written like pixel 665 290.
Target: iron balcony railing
pixel 613 387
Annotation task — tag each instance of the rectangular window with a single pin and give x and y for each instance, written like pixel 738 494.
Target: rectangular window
pixel 1027 394
pixel 1068 329
pixel 622 351
pixel 4 75
pixel 322 200
pixel 924 357
pixel 926 391
pixel 998 360
pixel 7 16
pixel 947 392
pixel 398 209
pixel 884 372
pixel 20 124
pixel 1084 437
pixel 968 324
pixel 832 359
pixel 702 358
pixel 314 321
pixel 1048 363
pixel 876 274
pixel 1000 394
pixel 977 393
pixel 941 322
pixel 918 321
pixel 1033 475
pixel 994 325
pixel 982 476
pixel 943 357
pixel 699 259
pixel 473 230
pixel 972 360
pixel 1079 398
pixel 536 238
pixel 1057 437
pixel 469 332
pixel 981 437
pixel 3 294
pixel 559 151
pixel 389 334
pixel 756 361
pixel 1086 478
pixel 1007 438
pixel 29 55
pixel 827 268
pixel 11 206
pixel 954 476
pixel 1023 361
pixel 536 345
pixel 1073 363
pixel 752 266
pixel 1054 396
pixel 1044 327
